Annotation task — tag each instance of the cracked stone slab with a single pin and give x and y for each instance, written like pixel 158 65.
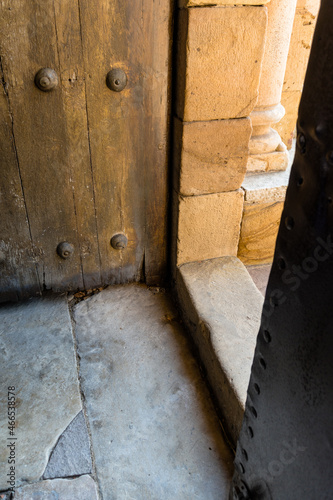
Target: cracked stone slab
pixel 71 455
pixel 222 308
pixel 38 359
pixel 154 430
pixel 83 488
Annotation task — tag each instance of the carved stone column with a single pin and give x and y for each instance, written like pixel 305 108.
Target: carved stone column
pixel 267 151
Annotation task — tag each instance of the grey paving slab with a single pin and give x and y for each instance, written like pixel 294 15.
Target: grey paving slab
pixel 71 455
pixel 37 358
pixel 81 488
pixel 154 431
pixel 222 307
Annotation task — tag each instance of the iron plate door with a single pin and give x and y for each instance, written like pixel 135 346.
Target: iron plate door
pixel 285 448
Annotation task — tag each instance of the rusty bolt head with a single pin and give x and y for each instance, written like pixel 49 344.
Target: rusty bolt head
pixel 119 241
pixel 116 79
pixel 65 250
pixel 46 79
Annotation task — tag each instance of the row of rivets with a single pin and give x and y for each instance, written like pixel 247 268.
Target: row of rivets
pixel 321 131
pixel 65 250
pixel 46 79
pixel 289 223
pixel 267 338
pixel 240 491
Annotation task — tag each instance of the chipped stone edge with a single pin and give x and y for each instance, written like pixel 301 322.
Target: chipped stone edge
pixel 230 398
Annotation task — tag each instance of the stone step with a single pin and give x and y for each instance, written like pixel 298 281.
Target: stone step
pixel 222 309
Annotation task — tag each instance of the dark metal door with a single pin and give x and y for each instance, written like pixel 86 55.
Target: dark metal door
pixel 285 449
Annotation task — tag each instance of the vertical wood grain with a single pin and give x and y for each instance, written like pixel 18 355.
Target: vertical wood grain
pixel 51 135
pixel 18 274
pixel 86 162
pixel 157 29
pixel 128 130
pixel 69 43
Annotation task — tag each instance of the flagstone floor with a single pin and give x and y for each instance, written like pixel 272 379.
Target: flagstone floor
pixel 101 398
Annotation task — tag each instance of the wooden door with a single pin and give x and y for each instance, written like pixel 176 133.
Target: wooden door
pixel 82 163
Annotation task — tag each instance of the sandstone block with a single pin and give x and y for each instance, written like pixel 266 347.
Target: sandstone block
pixel 311 6
pixel 210 156
pixel 299 51
pixel 277 160
pixel 208 226
pixel 300 44
pixel 260 226
pixel 286 127
pixel 268 187
pixel 220 50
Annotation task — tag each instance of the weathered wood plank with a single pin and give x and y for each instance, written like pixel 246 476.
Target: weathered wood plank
pixel 158 30
pixel 69 44
pixel 51 136
pixel 115 123
pixel 94 165
pixel 128 130
pixel 18 275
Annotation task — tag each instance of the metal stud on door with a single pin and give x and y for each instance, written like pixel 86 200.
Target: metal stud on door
pixel 46 79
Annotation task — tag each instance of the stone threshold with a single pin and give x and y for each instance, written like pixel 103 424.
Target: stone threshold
pixel 221 307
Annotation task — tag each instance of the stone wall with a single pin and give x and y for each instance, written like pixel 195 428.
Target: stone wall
pixel 300 44
pixel 219 54
pixel 264 192
pixel 220 51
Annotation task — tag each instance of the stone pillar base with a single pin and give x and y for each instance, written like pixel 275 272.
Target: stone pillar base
pixel 277 160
